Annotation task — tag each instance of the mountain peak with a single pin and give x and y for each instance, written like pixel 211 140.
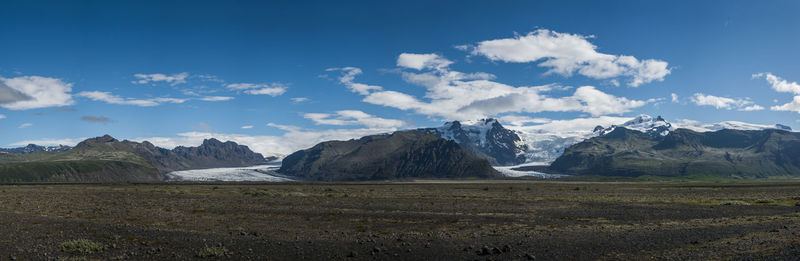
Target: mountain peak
pixel 211 141
pixel 645 123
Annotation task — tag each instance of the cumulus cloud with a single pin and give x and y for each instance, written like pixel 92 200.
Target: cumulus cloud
pixel 674 97
pixel 566 54
pixel 273 89
pixel 25 125
pixel 724 102
pixel 781 85
pixel 794 106
pixel 453 95
pixel 172 80
pixel 96 119
pixel 110 98
pixel 32 92
pixel 349 74
pixel 353 117
pixel 422 61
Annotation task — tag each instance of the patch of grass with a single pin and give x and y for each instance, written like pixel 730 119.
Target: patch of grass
pixel 207 252
pixel 83 246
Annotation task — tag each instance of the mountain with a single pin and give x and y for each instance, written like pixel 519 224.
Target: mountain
pixel 33 148
pixel 725 153
pixel 485 138
pixel 400 155
pixel 547 141
pixel 106 159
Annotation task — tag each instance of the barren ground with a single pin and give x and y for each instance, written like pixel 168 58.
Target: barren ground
pixel 497 220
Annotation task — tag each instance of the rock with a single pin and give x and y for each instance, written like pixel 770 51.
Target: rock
pixel 529 256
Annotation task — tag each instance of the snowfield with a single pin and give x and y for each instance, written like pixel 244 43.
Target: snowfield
pixel 263 173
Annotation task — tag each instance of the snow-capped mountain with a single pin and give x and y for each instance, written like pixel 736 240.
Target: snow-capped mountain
pixel 546 142
pixel 735 125
pixel 645 123
pixel 33 148
pixel 485 138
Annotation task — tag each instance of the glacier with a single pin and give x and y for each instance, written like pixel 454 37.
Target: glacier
pixel 259 173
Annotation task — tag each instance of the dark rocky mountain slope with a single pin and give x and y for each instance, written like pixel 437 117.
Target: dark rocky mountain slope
pixel 400 155
pixel 726 153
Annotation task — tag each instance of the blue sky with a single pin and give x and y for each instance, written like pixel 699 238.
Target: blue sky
pixel 272 73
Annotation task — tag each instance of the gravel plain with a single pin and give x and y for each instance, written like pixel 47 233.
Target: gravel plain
pixel 430 220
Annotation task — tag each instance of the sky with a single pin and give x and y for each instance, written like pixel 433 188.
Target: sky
pixel 282 75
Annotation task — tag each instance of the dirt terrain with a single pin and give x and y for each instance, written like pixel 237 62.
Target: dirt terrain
pixel 468 220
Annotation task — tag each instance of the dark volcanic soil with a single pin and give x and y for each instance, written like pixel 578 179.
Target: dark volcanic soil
pixel 502 220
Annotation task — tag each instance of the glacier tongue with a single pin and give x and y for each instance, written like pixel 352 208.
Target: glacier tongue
pixel 264 173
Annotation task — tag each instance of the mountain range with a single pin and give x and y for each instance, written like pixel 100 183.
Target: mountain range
pixel 546 142
pixel 106 159
pixel 33 148
pixel 683 152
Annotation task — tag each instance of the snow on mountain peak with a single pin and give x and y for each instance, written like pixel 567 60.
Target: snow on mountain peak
pixel 645 123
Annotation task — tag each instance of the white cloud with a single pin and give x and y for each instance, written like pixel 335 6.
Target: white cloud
pixel 519 120
pixel 267 91
pixel 724 102
pixel 273 89
pixel 216 98
pixel 572 126
pixel 294 139
pixel 110 98
pixel 247 127
pixel 173 79
pixel 299 99
pixel 674 97
pixel 754 107
pixel 48 142
pixel 25 125
pixel 781 85
pixel 422 61
pixel 453 95
pixel 348 77
pixel 794 105
pixel 32 92
pixel 566 54
pixel 2 116
pixel 353 117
